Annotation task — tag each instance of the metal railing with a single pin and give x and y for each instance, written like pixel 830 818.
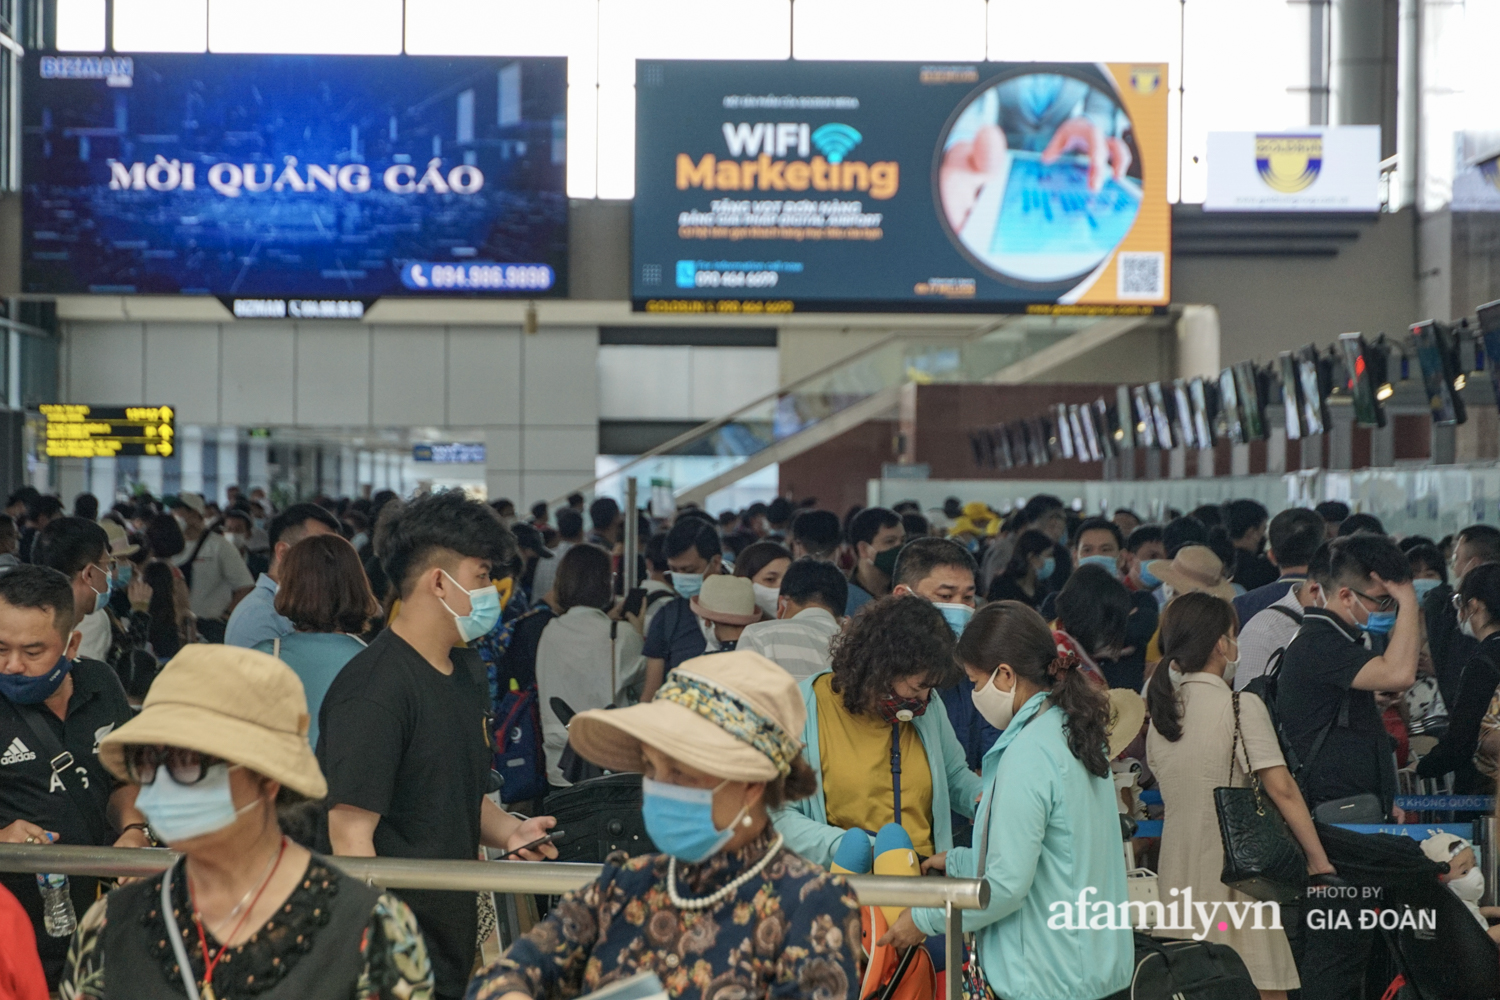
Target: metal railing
pixel 951 894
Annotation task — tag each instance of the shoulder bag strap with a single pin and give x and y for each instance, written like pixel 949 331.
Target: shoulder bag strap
pixel 1234 744
pixel 614 672
pixel 1288 612
pixel 276 647
pixel 896 768
pixel 1341 718
pixel 61 761
pixel 175 935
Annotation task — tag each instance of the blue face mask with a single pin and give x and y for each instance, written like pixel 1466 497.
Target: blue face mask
pixel 1423 588
pixel 20 689
pixel 484 611
pixel 1108 562
pixel 1048 567
pixel 181 812
pixel 687 584
pixel 1380 622
pixel 1150 581
pixel 956 615
pixel 681 820
pixel 101 597
pixel 123 575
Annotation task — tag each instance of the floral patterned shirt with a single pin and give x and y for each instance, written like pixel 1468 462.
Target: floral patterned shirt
pixel 792 931
pixel 395 967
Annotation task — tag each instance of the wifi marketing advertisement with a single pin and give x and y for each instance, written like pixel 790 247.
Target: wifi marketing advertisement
pixel 314 178
pixel 773 187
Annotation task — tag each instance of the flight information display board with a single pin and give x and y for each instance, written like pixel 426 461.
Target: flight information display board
pixel 770 187
pixel 263 177
pixel 77 430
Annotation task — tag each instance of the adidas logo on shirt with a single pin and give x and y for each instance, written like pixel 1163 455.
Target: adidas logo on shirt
pixel 16 753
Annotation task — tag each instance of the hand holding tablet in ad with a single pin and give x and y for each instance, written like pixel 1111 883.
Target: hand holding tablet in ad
pixel 1082 135
pixel 968 165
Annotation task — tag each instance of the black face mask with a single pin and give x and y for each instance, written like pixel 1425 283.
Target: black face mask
pixel 886 561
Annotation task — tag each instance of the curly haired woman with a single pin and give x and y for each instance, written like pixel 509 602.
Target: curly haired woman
pixel 870 715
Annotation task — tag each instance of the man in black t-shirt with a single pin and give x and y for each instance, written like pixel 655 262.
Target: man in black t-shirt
pixel 1329 677
pixel 693 553
pixel 404 730
pixel 53 712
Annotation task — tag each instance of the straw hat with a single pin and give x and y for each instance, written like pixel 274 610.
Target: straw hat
pixel 1195 569
pixel 235 704
pixel 728 600
pixel 1127 714
pixel 732 715
pixel 120 545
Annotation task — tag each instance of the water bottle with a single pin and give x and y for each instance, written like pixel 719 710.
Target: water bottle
pixel 58 915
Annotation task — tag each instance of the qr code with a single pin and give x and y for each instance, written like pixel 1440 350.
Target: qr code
pixel 1142 275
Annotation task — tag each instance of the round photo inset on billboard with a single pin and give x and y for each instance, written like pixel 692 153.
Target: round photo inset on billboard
pixel 1037 177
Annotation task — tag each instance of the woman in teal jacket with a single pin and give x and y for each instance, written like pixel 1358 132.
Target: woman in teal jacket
pixel 1049 828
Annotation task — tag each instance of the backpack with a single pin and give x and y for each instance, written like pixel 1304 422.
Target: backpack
pixel 1189 970
pixel 518 747
pixel 599 816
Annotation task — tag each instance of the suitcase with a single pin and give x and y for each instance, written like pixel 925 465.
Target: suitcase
pixel 599 816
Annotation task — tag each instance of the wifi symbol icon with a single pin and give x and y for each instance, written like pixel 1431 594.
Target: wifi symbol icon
pixel 835 139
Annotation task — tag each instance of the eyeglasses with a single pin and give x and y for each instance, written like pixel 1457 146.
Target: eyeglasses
pixel 187 767
pixel 1381 603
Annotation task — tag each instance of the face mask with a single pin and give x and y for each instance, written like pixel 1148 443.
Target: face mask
pixel 1470 887
pixel 687 584
pixel 1466 627
pixel 765 598
pixel 358 541
pixel 1423 588
pixel 21 689
pixel 1048 567
pixel 956 615
pixel 681 820
pixel 484 611
pixel 101 597
pixel 123 575
pixel 1107 562
pixel 1231 666
pixel 893 709
pixel 238 539
pixel 886 561
pixel 1150 582
pixel 972 545
pixel 181 812
pixel 1380 622
pixel 995 705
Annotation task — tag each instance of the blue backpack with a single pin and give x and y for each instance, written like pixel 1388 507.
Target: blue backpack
pixel 518 747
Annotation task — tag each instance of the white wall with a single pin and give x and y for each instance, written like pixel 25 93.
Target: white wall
pixel 534 398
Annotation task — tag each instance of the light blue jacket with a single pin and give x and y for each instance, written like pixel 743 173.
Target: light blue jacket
pixel 1055 833
pixel 955 788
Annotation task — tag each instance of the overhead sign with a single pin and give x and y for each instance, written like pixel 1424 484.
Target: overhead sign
pixel 1307 169
pixel 454 453
pixel 772 187
pixel 77 430
pixel 295 177
pixel 297 308
pixel 1476 171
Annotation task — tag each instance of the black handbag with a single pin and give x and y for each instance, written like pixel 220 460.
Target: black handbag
pixel 1261 857
pixel 1189 970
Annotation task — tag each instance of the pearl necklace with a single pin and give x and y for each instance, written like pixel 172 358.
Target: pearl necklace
pixel 729 890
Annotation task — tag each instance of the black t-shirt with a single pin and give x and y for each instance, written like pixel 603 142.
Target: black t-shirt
pixel 30 791
pixel 675 635
pixel 1320 665
pixel 1252 570
pixel 399 738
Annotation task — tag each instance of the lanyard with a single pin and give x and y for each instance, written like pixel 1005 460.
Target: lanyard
pixel 896 768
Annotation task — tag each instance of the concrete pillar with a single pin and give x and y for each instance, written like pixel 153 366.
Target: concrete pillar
pixel 1443 445
pixel 1312 451
pixel 102 481
pixel 153 476
pixel 1383 445
pixel 227 441
pixel 1205 463
pixel 348 480
pixel 72 479
pixel 366 467
pixel 1177 463
pixel 190 454
pixel 1239 460
pixel 1198 342
pixel 1364 62
pixel 1276 440
pixel 1341 436
pixel 259 473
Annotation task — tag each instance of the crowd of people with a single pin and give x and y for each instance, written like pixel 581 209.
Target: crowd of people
pixel 264 689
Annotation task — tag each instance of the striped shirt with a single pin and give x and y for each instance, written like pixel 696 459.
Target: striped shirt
pixel 798 644
pixel 1264 634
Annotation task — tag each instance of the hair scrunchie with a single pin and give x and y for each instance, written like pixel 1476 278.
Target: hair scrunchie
pixel 1062 663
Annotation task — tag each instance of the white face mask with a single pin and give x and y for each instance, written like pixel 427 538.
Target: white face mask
pixel 1233 665
pixel 997 707
pixel 765 599
pixel 1470 887
pixel 1467 627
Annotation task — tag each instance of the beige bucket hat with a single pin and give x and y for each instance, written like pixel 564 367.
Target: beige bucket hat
pixel 1195 569
pixel 235 704
pixel 733 715
pixel 728 600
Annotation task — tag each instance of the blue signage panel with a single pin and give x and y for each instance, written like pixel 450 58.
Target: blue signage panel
pixel 454 453
pixel 307 177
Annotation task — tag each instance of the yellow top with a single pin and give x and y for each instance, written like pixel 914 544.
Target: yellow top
pixel 856 758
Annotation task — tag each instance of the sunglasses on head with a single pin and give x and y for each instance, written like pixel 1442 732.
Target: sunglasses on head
pixel 187 767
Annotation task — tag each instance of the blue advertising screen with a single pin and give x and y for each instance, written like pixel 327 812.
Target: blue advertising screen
pixel 298 176
pixel 771 187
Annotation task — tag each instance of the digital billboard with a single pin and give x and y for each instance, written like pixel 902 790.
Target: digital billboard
pixel 315 178
pixel 771 187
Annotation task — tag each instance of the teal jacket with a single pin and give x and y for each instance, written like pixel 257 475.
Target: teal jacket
pixel 1056 833
pixel 955 788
